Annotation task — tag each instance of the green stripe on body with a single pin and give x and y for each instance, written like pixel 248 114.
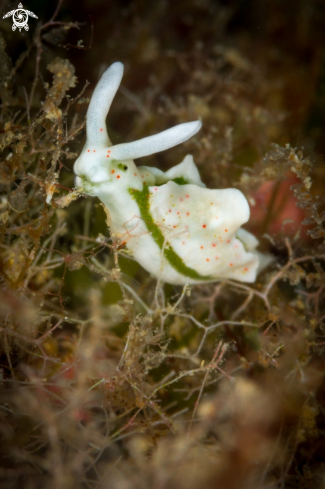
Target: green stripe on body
pixel 142 198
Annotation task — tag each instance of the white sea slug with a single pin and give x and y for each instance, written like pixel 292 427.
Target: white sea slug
pixel 176 228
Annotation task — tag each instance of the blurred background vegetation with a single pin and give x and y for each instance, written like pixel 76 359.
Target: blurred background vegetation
pixel 107 378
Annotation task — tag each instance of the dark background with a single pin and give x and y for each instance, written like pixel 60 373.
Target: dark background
pixel 284 40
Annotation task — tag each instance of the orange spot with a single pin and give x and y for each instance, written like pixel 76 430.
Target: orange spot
pixel 226 230
pixel 183 242
pixel 107 156
pixel 230 264
pixel 217 217
pixel 169 210
pixel 94 151
pixel 135 174
pixel 217 258
pixel 178 213
pixel 88 150
pixel 214 245
pixel 208 259
pixel 187 196
pixel 246 269
pixel 113 171
pixel 204 226
pixel 174 226
pixel 187 213
pixel 228 240
pixel 118 176
pixel 101 130
pixel 202 247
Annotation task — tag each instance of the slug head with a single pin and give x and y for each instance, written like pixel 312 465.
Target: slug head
pixel 100 175
pixel 102 168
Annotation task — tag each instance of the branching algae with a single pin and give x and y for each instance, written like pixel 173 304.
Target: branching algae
pixel 178 230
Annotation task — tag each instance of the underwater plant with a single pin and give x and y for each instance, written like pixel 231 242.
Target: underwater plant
pixel 109 377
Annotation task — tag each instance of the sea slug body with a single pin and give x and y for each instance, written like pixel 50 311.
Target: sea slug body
pixel 176 228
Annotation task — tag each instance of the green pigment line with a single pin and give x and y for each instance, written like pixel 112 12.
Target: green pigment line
pixel 180 181
pixel 142 198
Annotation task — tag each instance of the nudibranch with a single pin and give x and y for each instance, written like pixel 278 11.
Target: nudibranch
pixel 176 228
